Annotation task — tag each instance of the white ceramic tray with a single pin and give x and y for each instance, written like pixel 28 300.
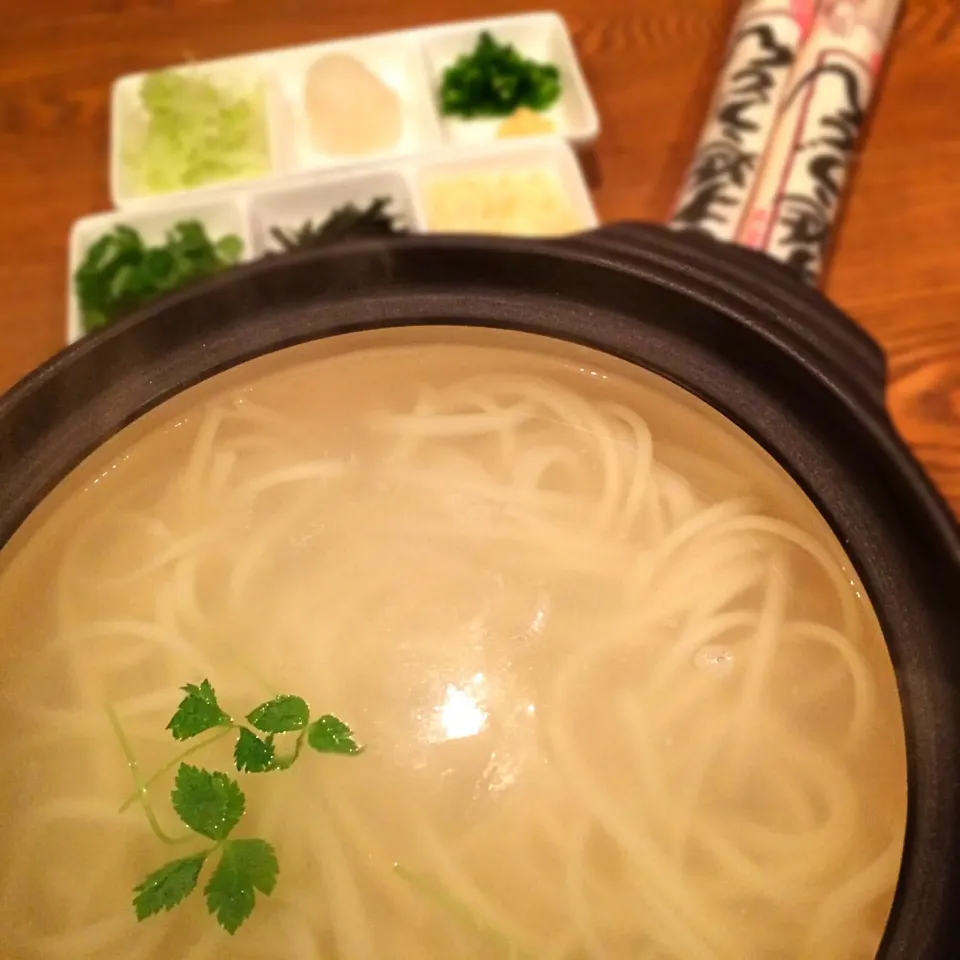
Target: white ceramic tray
pixel 411 62
pixel 250 211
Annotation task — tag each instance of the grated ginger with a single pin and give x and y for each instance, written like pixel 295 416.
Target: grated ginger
pixel 524 122
pixel 517 202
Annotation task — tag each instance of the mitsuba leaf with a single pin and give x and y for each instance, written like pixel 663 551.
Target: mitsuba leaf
pixel 198 712
pixel 165 888
pixel 209 803
pixel 245 866
pixel 253 754
pixel 331 735
pixel 282 714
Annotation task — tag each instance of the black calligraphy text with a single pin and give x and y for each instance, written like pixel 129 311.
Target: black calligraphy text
pixel 720 177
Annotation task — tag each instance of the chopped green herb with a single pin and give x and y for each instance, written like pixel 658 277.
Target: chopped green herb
pixel 330 735
pixel 212 804
pixel 245 866
pixel 229 247
pixel 348 222
pixel 198 712
pixel 280 715
pixel 494 80
pixel 253 754
pixel 166 887
pixel 120 272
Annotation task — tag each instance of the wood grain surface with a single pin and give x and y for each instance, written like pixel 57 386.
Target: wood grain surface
pixel 651 63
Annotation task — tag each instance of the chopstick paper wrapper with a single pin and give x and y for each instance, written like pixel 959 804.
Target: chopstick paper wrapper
pixel 797 196
pixel 762 49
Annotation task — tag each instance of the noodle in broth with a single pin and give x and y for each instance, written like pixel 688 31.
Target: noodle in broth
pixel 622 694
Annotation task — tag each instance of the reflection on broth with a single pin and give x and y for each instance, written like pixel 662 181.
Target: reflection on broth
pixel 621 692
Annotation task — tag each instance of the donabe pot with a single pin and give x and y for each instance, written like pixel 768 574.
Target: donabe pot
pixel 733 328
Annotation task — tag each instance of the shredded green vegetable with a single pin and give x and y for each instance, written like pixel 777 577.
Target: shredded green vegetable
pixel 195 133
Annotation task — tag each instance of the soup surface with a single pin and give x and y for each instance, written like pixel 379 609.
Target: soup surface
pixel 621 694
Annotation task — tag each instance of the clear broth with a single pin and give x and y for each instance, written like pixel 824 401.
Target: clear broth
pixel 621 691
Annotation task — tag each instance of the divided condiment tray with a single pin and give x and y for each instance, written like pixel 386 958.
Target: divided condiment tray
pixel 251 211
pixel 410 62
pixel 440 173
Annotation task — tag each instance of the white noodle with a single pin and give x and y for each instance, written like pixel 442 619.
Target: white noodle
pixel 658 799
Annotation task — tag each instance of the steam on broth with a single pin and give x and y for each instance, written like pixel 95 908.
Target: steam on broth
pixel 622 694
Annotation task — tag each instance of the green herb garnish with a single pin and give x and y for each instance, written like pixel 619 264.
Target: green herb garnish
pixel 494 80
pixel 253 754
pixel 212 804
pixel 330 735
pixel 198 712
pixel 166 887
pixel 280 715
pixel 348 222
pixel 120 272
pixel 246 866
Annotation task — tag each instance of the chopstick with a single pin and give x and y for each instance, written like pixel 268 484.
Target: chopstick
pixel 810 138
pixel 764 42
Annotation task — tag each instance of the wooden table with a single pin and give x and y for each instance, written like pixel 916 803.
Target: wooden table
pixel 651 63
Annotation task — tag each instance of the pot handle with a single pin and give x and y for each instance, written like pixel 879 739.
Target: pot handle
pixel 751 288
